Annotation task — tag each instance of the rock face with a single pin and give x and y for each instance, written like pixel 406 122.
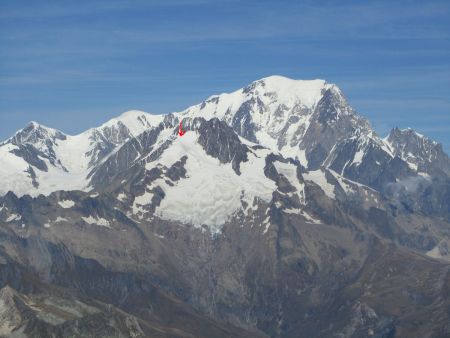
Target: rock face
pixel 279 213
pixel 421 153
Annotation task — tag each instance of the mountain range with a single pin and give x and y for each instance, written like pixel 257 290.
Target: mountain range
pixel 280 213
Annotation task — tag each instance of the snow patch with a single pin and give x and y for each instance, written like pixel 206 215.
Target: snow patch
pixel 303 213
pixel 122 197
pixel 342 182
pixel 266 224
pixel 96 221
pixel 13 217
pixel 289 171
pixel 140 201
pixel 66 204
pixel 309 218
pixel 357 159
pixel 440 251
pixel 318 177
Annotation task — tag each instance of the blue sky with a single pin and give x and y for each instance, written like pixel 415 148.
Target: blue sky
pixel 72 65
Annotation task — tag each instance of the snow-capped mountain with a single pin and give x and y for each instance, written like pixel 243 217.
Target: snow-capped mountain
pixel 278 208
pixel 307 121
pixel 311 121
pixel 301 119
pixel 38 159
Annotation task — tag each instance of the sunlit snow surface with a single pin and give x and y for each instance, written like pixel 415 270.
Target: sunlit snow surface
pixel 12 172
pixel 281 98
pixel 289 171
pixel 212 191
pixel 66 204
pixel 96 221
pixel 318 177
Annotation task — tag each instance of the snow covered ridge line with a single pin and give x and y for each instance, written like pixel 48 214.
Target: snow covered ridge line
pixel 305 120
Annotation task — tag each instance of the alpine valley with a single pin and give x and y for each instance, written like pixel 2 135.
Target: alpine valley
pixel 280 213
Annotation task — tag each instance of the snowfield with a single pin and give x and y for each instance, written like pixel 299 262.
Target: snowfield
pixel 212 192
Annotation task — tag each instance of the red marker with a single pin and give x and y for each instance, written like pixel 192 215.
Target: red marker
pixel 180 130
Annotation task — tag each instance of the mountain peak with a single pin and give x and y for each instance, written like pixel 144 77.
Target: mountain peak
pixel 35 132
pixel 33 124
pixel 420 152
pixel 135 120
pixel 135 114
pixel 36 125
pixel 277 111
pixel 284 80
pixel 409 133
pixel 288 90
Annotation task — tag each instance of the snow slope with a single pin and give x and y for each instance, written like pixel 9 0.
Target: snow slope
pixel 13 175
pixel 277 105
pixel 212 191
